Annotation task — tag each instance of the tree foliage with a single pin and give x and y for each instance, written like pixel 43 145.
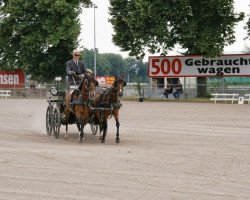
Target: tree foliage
pixel 201 27
pixel 38 36
pixel 248 27
pixel 110 64
pixel 137 70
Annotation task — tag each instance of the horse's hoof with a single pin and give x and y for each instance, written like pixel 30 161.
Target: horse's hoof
pixel 66 138
pixel 80 140
pixel 102 141
pixel 117 140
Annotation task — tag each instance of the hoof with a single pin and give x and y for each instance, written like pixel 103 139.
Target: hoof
pixel 66 138
pixel 117 140
pixel 102 141
pixel 80 140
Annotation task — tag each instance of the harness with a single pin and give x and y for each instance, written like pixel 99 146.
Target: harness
pixel 80 101
pixel 105 104
pixel 106 101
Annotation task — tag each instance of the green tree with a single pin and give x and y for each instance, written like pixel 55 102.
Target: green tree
pixel 116 63
pixel 200 27
pixel 106 64
pixel 38 36
pixel 88 58
pixel 248 31
pixel 137 70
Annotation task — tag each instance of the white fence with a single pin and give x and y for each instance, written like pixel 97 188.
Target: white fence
pixel 5 93
pixel 225 97
pixel 156 91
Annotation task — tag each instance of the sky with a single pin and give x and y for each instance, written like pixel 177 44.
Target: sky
pixel 104 29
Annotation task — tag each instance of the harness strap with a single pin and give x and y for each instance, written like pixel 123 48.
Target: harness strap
pixel 80 103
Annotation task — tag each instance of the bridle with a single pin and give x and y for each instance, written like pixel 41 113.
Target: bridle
pixel 118 86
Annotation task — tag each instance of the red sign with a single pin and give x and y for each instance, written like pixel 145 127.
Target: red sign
pixel 12 79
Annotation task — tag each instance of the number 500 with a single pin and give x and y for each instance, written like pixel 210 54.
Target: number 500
pixel 165 66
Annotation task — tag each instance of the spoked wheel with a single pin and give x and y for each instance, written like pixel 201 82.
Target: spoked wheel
pixel 94 128
pixel 49 120
pixel 56 122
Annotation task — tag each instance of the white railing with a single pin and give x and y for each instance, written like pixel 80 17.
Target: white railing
pixel 156 92
pixel 5 93
pixel 247 98
pixel 224 97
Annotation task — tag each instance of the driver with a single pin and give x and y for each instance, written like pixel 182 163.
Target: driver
pixel 75 67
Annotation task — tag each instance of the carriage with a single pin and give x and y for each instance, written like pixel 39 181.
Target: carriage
pixel 55 110
pixel 84 107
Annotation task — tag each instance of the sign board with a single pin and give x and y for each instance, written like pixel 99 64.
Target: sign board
pixel 105 80
pixel 199 66
pixel 12 79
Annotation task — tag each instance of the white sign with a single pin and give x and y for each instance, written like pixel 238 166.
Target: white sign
pixel 101 80
pixel 199 66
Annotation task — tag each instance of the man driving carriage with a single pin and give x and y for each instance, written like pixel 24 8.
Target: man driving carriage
pixel 74 67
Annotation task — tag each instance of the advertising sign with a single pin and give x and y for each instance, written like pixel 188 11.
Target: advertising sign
pixel 11 79
pixel 105 80
pixel 199 66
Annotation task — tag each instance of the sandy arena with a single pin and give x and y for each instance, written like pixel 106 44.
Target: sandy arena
pixel 167 151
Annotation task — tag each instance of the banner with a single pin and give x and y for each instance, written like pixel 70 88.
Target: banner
pixel 199 66
pixel 12 79
pixel 105 80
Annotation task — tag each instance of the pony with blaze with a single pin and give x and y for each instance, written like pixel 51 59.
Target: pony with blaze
pixel 77 104
pixel 107 104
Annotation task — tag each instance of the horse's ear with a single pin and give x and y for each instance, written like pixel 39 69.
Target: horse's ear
pixel 85 81
pixel 115 82
pixel 97 83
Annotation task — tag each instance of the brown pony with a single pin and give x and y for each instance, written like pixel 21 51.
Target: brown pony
pixel 107 104
pixel 77 104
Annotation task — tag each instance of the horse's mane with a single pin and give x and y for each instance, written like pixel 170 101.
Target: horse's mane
pixel 88 77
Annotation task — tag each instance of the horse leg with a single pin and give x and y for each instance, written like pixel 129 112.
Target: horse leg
pixel 66 135
pixel 105 126
pixel 81 133
pixel 78 127
pixel 100 137
pixel 117 139
pixel 101 130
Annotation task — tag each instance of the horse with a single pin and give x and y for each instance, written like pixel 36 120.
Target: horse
pixel 107 104
pixel 77 104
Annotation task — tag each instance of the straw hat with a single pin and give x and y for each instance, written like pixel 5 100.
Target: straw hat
pixel 75 51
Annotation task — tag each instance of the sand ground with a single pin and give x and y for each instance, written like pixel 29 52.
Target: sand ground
pixel 167 151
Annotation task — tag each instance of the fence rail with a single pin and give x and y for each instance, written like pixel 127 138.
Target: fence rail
pixel 131 90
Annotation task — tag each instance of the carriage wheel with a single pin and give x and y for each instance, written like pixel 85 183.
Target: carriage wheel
pixel 94 128
pixel 49 120
pixel 56 122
